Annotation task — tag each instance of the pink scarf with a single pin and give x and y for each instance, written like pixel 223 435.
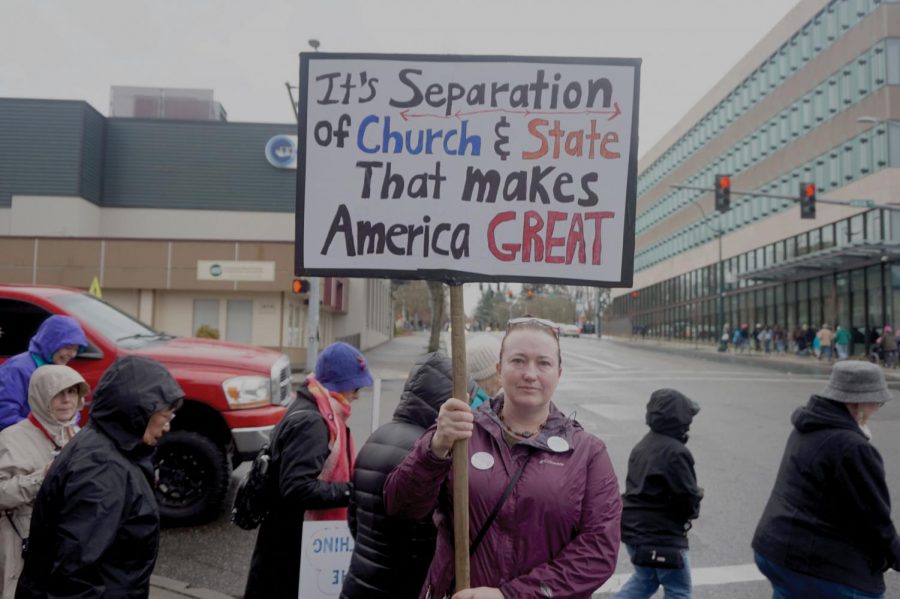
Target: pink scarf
pixel 342 454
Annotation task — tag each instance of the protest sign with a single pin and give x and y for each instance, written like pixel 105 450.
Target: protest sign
pixel 324 558
pixel 467 168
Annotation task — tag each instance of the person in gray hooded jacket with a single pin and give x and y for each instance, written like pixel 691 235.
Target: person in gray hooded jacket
pixel 661 498
pixel 95 525
pixel 55 394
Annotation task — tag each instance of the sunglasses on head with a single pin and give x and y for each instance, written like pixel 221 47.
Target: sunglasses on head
pixel 513 322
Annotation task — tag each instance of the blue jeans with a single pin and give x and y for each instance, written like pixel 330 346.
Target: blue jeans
pixel 787 584
pixel 841 350
pixel 644 582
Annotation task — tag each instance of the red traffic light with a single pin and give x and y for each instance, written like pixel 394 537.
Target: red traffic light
pixel 723 192
pixel 300 286
pixel 807 200
pixel 634 294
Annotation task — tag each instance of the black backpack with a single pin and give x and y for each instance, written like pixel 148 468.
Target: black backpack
pixel 255 492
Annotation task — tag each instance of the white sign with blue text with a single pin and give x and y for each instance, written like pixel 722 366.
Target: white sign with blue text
pixel 324 559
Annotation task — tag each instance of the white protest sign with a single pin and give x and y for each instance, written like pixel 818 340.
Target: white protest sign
pixel 325 556
pixel 467 168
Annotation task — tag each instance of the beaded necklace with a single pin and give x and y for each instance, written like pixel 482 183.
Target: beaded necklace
pixel 522 434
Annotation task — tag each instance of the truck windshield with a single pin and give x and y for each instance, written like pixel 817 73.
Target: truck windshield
pixel 110 322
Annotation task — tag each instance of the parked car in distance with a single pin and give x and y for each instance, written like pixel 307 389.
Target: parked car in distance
pixel 234 393
pixel 569 330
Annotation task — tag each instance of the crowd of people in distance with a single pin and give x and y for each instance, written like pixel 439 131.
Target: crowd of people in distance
pixel 546 515
pixel 826 343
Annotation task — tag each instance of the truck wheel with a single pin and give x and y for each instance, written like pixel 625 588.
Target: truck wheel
pixel 193 478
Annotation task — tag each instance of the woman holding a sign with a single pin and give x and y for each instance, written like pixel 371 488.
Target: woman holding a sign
pixel 544 500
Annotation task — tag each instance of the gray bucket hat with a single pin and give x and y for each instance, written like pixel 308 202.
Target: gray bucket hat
pixel 857 382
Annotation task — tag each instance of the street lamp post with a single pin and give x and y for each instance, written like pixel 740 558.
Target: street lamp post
pixel 312 313
pixel 720 279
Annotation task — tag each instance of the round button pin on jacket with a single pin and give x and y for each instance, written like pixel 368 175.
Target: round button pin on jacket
pixel 483 460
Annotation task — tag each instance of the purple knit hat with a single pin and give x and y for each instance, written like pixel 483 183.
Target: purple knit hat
pixel 341 367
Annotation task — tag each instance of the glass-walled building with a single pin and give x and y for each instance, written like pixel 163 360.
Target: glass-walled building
pixel 816 101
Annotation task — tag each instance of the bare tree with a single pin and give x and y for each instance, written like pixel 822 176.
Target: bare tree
pixel 412 302
pixel 437 314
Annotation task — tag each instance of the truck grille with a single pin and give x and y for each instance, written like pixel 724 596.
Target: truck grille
pixel 281 381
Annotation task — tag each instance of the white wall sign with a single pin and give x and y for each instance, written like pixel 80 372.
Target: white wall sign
pixel 281 151
pixel 324 558
pixel 467 168
pixel 235 270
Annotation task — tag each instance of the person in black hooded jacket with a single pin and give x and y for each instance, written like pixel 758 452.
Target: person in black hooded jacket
pixel 391 555
pixel 661 496
pixel 95 525
pixel 826 531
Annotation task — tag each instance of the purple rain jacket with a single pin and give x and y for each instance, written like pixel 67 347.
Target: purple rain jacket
pixel 556 536
pixel 55 332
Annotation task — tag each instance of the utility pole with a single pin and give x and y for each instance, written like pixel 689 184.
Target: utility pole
pixel 312 311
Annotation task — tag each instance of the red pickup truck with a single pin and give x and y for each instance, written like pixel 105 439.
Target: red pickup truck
pixel 235 394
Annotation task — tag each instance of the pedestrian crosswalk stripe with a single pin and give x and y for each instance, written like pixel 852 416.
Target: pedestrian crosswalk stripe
pixel 699 577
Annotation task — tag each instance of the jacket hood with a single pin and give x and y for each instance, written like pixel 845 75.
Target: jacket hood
pixel 820 413
pixel 558 425
pixel 670 412
pixel 430 384
pixel 45 383
pixel 56 332
pixel 131 390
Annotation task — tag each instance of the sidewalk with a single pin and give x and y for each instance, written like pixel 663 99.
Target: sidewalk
pixel 166 588
pixel 393 359
pixel 785 363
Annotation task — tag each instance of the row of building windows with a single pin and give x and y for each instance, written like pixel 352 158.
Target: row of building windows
pixel 857 157
pixel 874 226
pixel 847 86
pixel 813 38
pixel 862 300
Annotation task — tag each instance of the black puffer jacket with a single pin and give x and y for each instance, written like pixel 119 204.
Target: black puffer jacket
pixel 391 555
pixel 829 515
pixel 661 493
pixel 95 526
pixel 299 448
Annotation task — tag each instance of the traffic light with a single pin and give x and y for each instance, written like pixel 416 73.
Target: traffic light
pixel 529 294
pixel 300 286
pixel 807 200
pixel 723 192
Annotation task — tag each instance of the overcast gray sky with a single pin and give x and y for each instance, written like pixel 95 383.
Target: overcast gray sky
pixel 245 51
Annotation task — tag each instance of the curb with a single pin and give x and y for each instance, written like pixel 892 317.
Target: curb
pixel 786 364
pixel 167 588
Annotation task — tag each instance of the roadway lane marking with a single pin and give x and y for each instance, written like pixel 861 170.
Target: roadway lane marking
pixel 699 577
pixel 567 355
pixel 653 378
pixel 612 411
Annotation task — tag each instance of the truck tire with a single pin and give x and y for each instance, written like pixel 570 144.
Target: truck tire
pixel 193 476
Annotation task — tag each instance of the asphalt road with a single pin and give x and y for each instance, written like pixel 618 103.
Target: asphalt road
pixel 737 441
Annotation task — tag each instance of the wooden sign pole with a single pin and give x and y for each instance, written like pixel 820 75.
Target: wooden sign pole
pixel 460 448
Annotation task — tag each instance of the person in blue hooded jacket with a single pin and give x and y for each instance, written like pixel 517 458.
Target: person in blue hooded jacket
pixel 57 341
